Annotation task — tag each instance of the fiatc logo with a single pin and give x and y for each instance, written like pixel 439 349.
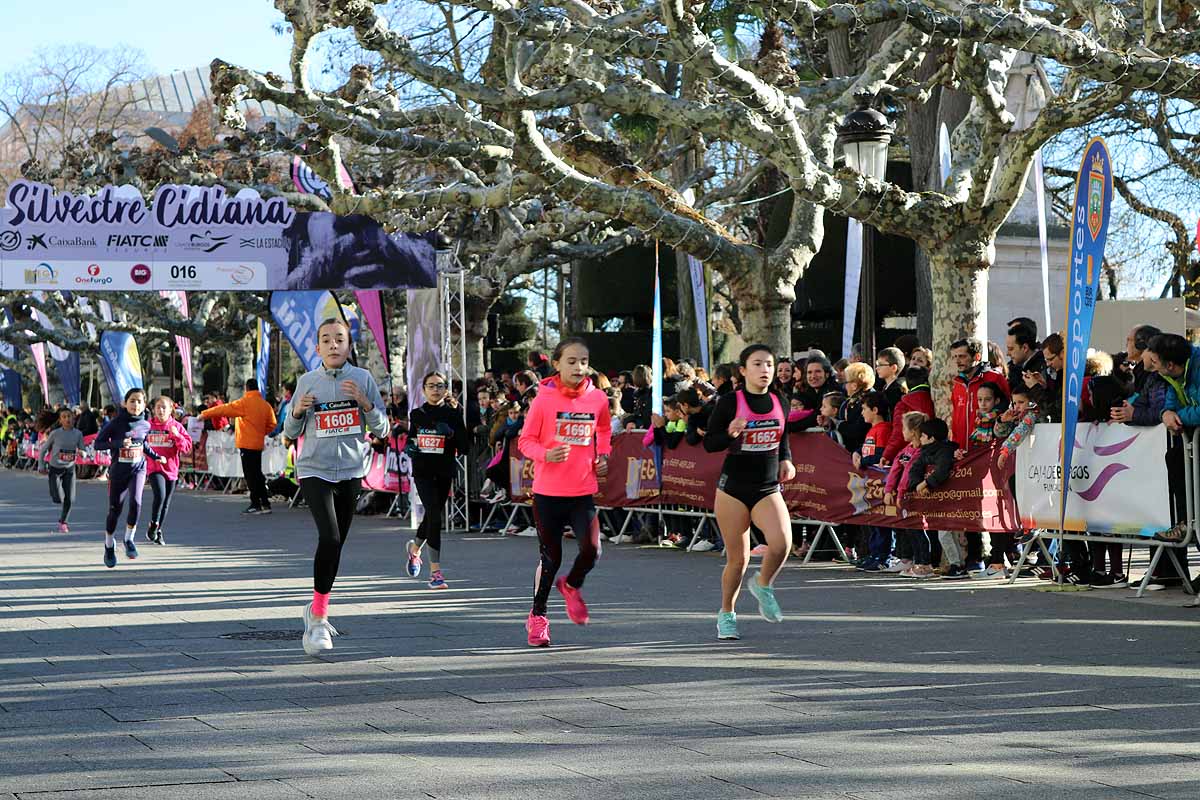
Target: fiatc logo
pixel 95 277
pixel 140 274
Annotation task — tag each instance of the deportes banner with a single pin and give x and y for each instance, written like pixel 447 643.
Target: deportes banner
pixel 121 364
pixel 179 300
pixel 656 354
pixel 262 352
pixel 827 487
pixel 1118 479
pixel 854 256
pixel 1093 201
pixel 298 314
pixel 197 237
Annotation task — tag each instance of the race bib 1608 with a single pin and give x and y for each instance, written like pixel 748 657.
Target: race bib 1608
pixel 339 418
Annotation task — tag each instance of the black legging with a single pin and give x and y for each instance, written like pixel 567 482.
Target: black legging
pixel 332 507
pixel 163 489
pixel 62 490
pixel 119 489
pixel 256 482
pixel 552 515
pixel 433 490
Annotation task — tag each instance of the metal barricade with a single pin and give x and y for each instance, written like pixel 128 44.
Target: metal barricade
pixel 1191 486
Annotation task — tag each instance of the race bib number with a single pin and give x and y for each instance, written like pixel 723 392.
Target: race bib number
pixel 578 429
pixel 66 458
pixel 340 418
pixel 431 442
pixel 130 455
pixel 761 436
pixel 159 439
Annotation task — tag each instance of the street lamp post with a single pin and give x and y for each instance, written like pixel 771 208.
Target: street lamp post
pixel 864 136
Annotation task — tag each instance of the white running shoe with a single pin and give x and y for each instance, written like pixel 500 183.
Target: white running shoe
pixel 318 633
pixel 703 546
pixel 896 566
pixel 528 533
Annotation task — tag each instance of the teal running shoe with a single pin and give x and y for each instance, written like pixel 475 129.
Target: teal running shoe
pixel 727 626
pixel 768 606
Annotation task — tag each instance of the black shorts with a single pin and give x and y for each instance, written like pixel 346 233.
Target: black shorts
pixel 747 495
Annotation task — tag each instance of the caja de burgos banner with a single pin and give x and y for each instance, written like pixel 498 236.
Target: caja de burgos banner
pixel 1118 481
pixel 197 238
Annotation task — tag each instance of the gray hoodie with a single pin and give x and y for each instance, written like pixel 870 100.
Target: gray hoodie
pixel 334 446
pixel 65 442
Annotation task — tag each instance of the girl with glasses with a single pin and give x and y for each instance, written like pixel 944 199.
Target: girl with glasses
pixel 436 435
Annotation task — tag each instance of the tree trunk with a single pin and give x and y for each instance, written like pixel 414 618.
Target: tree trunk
pixel 959 311
pixel 766 315
pixel 241 368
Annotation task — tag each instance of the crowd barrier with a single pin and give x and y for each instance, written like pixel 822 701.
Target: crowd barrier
pixel 1146 494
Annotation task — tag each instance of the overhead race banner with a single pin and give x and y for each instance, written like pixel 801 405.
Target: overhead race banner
pixel 1093 201
pixel 197 237
pixel 1118 479
pixel 298 314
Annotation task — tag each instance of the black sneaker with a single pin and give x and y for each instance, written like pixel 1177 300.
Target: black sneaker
pixel 956 572
pixel 1102 581
pixel 1119 581
pixel 1075 579
pixel 252 510
pixel 265 510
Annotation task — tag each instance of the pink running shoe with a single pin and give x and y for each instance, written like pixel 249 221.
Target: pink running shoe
pixel 576 608
pixel 538 628
pixel 62 528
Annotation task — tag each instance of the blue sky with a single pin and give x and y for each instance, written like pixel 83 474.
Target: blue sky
pixel 173 35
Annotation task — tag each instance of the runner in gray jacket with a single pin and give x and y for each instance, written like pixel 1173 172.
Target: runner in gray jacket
pixel 333 407
pixel 63 443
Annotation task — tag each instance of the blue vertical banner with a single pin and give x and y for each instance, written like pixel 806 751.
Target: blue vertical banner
pixel 656 354
pixel 262 353
pixel 121 363
pixel 1089 229
pixel 10 379
pixel 66 363
pixel 298 314
pixel 700 301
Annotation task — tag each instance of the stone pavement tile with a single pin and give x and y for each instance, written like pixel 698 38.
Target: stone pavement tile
pixel 213 704
pixel 223 747
pixel 228 790
pixel 316 766
pixel 40 698
pixel 61 775
pixel 73 719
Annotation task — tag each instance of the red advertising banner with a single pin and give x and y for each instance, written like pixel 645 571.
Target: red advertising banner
pixel 827 487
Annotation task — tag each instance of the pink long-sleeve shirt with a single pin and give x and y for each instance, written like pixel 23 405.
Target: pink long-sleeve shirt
pixel 169 440
pixel 897 478
pixel 560 415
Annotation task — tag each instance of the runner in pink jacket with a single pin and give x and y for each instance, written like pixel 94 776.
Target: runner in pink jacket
pixel 170 440
pixel 568 434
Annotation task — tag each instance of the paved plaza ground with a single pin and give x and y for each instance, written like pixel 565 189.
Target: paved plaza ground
pixel 181 675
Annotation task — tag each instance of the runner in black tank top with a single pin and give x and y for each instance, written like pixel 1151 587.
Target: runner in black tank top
pixel 751 425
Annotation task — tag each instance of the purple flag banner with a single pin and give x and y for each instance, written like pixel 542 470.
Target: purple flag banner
pixel 1093 202
pixel 179 300
pixel 197 237
pixel 39 361
pixel 371 308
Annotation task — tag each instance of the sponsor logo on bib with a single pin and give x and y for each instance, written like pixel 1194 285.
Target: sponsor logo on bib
pixel 431 442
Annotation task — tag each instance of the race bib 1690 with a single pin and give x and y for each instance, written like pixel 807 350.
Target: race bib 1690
pixel 575 428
